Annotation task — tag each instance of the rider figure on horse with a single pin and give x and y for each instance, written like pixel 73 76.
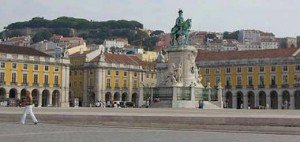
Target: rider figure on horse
pixel 179 21
pixel 181 29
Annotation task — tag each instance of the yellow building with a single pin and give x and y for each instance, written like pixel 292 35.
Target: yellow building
pixel 97 76
pixel 254 79
pixel 25 69
pixel 148 56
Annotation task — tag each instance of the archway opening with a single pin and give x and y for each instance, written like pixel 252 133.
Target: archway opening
pixel 108 97
pixel 134 99
pixel 228 100
pixel 239 99
pixel 117 96
pixel 297 99
pixel 251 100
pixel 23 95
pixel 262 99
pixel 45 98
pixel 285 99
pixel 124 96
pixel 2 93
pixel 274 100
pixel 13 97
pixel 12 93
pixel 55 98
pixel 35 97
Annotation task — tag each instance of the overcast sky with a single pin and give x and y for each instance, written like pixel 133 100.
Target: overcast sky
pixel 282 17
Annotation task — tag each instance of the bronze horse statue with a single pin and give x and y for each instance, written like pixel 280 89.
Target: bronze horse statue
pixel 181 31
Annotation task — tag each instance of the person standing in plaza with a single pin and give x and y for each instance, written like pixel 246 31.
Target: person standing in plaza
pixel 28 109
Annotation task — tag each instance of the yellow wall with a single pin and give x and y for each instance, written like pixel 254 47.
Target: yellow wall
pixel 148 56
pixel 244 74
pixel 121 78
pixel 77 88
pixel 30 74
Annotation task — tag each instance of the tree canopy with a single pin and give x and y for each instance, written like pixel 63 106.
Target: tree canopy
pixel 233 35
pixel 40 36
pixel 91 31
pixel 76 23
pixel 157 33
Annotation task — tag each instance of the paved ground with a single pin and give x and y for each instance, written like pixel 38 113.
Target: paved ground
pixel 254 121
pixel 12 132
pixel 161 112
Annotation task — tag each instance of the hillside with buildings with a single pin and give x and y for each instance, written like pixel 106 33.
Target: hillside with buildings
pixel 233 41
pixel 92 31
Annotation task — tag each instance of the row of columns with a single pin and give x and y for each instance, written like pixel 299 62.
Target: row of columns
pixel 99 79
pixel 268 100
pixel 39 96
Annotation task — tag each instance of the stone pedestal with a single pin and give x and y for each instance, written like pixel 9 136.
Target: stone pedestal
pixel 182 59
pixel 180 74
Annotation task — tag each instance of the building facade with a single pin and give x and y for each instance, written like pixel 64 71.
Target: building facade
pixel 49 48
pixel 254 79
pixel 106 77
pixel 288 42
pixel 118 43
pixel 148 56
pixel 25 69
pixel 249 36
pixel 18 41
pixel 269 44
pixel 67 41
pixel 223 45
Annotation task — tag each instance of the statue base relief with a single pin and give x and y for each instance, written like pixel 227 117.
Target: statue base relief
pixel 178 79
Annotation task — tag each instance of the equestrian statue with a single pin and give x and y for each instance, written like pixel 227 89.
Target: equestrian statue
pixel 180 32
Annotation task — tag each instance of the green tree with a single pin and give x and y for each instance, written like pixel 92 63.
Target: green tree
pixel 14 33
pixel 157 33
pixel 40 36
pixel 225 35
pixel 233 35
pixel 93 31
pixel 1 36
pixel 62 31
pixel 150 43
pixel 37 22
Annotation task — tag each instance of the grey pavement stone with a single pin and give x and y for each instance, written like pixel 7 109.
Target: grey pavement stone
pixel 12 132
pixel 266 121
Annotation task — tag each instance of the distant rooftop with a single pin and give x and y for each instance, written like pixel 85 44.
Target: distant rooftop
pixel 248 54
pixel 21 50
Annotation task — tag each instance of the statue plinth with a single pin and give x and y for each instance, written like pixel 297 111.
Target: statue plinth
pixel 181 63
pixel 180 73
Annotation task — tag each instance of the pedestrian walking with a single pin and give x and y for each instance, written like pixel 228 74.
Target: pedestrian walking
pixel 28 109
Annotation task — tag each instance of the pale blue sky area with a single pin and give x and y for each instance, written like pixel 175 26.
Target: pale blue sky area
pixel 278 16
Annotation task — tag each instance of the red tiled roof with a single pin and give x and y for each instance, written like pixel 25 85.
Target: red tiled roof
pixel 119 58
pixel 250 54
pixel 10 49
